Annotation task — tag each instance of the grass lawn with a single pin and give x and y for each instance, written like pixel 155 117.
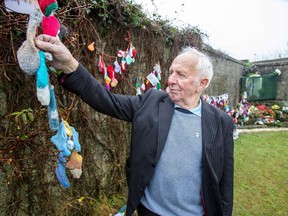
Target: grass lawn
pixel 261 174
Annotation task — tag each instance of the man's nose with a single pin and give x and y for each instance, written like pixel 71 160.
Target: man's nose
pixel 171 79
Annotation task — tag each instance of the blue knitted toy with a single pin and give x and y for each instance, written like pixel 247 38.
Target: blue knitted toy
pixel 65 143
pixel 60 171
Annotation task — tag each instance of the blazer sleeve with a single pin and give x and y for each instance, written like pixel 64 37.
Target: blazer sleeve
pixel 227 180
pixel 92 92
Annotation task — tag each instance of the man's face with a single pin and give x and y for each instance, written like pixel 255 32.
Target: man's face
pixel 185 85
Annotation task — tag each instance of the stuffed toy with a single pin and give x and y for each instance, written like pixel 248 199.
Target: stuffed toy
pixel 66 139
pixel 27 54
pixel 50 26
pixel 67 142
pixel 33 62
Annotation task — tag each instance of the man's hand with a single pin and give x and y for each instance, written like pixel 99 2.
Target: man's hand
pixel 62 57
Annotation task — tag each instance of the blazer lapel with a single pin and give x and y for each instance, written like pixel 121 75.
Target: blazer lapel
pixel 210 125
pixel 166 110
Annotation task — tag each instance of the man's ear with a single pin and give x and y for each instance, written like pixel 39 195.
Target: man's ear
pixel 203 84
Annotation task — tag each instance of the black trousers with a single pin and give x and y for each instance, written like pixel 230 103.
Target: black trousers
pixel 143 211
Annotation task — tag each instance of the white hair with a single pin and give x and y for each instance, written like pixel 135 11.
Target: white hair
pixel 204 64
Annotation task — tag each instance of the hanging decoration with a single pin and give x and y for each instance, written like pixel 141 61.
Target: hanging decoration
pixel 33 62
pixel 128 56
pixel 152 80
pixel 110 71
pixel 67 142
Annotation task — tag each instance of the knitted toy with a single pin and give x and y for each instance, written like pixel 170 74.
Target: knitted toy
pixel 138 86
pixel 75 168
pixel 53 111
pixel 101 64
pixel 50 23
pixel 75 164
pixel 48 6
pixel 32 61
pixel 42 81
pixel 50 26
pixel 27 54
pixel 128 56
pixel 152 80
pixel 60 171
pixel 66 139
pixel 117 67
pixel 107 79
pixel 91 47
pixel 157 72
pixel 111 74
pixel 67 142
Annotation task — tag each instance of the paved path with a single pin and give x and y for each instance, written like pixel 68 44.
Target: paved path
pixel 260 130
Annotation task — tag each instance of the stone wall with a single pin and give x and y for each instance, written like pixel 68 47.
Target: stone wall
pixel 227 75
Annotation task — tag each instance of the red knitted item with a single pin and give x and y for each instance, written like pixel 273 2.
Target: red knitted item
pixel 44 3
pixel 50 26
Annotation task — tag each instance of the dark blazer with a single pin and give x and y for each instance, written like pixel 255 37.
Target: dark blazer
pixel 151 114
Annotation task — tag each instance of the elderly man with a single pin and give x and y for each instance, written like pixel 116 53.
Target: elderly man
pixel 181 159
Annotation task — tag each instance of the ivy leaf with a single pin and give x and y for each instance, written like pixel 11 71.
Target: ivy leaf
pixel 24 118
pixel 30 116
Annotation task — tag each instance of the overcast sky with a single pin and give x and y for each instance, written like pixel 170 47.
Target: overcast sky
pixel 244 29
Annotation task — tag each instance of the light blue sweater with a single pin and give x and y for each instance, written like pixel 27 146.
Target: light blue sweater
pixel 175 188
